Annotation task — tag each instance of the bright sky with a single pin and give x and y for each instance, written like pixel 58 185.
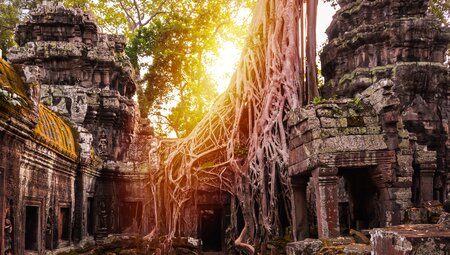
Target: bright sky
pixel 324 16
pixel 229 53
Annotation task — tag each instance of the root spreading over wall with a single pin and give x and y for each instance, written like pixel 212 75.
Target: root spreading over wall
pixel 240 147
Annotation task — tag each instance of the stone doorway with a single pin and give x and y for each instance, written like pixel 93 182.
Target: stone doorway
pixel 211 229
pixel 359 205
pixel 31 228
pixel 64 226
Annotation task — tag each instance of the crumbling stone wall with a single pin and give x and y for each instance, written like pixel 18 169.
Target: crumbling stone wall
pixel 398 45
pixel 382 118
pixel 68 66
pixel 38 163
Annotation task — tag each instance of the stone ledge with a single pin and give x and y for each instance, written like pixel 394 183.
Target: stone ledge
pixel 411 239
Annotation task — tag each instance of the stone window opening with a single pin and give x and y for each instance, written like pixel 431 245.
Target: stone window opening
pixel 32 228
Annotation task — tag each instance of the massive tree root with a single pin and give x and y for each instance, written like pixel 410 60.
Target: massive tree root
pixel 240 147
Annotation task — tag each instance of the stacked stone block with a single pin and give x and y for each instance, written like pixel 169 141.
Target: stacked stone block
pixel 384 110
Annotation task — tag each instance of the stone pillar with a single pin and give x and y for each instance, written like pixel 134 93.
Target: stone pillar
pixel 382 176
pixel 106 79
pixel 427 182
pixel 97 78
pixel 79 228
pixel 326 189
pixel 426 161
pixel 299 208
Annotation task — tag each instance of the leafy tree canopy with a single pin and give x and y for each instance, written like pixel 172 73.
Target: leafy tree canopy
pixel 10 16
pixel 181 45
pixel 178 38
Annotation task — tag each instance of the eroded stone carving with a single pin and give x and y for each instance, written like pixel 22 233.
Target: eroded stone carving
pixel 376 146
pixel 83 78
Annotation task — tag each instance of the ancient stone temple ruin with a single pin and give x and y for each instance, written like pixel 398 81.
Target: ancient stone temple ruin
pixel 374 149
pixel 73 148
pixel 371 153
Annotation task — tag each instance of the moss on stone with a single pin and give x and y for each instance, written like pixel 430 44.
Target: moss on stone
pixel 53 131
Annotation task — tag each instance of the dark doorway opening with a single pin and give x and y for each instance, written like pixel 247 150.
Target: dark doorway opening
pixel 31 227
pixel 416 198
pixel 363 208
pixel 300 206
pixel 90 216
pixel 64 224
pixel 211 230
pixel 130 216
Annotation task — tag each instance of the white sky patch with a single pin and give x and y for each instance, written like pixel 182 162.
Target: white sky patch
pixel 144 63
pixel 325 14
pixel 222 69
pixel 243 16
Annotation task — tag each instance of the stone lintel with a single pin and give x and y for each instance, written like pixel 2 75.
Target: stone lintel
pixel 343 159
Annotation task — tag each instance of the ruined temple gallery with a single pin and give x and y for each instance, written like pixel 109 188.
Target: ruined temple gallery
pixel 371 155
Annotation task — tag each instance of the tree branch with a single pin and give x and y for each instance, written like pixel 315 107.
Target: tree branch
pixel 156 13
pixel 138 12
pixel 131 22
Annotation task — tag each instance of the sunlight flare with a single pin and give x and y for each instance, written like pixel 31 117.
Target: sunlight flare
pixel 222 69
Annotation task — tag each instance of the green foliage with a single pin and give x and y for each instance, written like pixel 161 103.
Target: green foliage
pixel 441 9
pixel 177 73
pixel 356 104
pixel 180 47
pixel 320 78
pixel 318 100
pixel 180 37
pixel 9 16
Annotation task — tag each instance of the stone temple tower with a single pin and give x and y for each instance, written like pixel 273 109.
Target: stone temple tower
pixel 87 79
pixel 397 43
pixel 376 144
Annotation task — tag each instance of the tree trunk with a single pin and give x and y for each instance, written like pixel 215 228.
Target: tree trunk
pixel 245 133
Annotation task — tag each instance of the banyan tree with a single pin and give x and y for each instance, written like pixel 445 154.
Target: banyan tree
pixel 240 147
